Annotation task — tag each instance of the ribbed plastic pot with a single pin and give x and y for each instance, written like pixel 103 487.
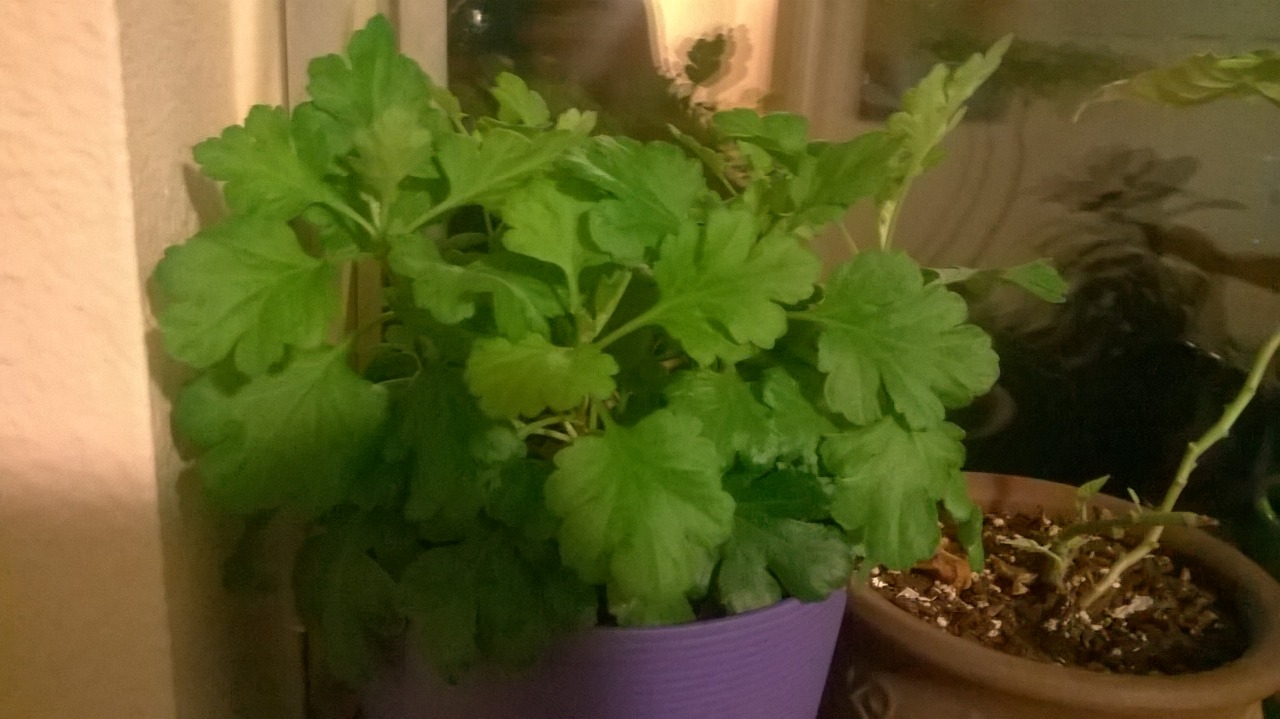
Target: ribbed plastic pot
pixel 890 665
pixel 767 664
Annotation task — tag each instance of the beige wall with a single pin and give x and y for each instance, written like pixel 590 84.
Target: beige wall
pixel 110 604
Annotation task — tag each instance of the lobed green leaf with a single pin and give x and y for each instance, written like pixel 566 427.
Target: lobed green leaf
pixel 528 376
pixel 246 285
pixel 643 513
pixel 888 341
pixel 293 436
pixel 721 285
pixel 889 481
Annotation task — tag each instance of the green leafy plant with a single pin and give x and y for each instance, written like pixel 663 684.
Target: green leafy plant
pixel 608 382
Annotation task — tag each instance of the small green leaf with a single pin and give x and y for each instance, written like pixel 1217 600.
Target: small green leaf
pixel 889 480
pixel 643 513
pixel 721 285
pixel 517 499
pixel 454 451
pixel 775 548
pixel 652 188
pixel 930 111
pixel 451 292
pixel 1202 78
pixel 549 225
pixel 346 600
pixel 292 436
pixel 967 516
pixel 261 166
pixel 782 134
pixel 1038 278
pixel 439 592
pixel 849 171
pixel 888 336
pixel 483 170
pixel 798 425
pixel 493 596
pixel 526 377
pixel 729 412
pixel 517 104
pixel 244 284
pixel 373 78
pixel 809 561
pixel 392 147
pixel 1088 490
pixel 780 493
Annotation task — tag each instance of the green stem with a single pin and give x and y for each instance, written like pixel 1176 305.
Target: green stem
pixel 526 429
pixel 373 323
pixel 346 210
pixel 644 318
pixel 887 222
pixel 1142 519
pixel 1195 450
pixel 848 238
pixel 611 305
pixel 433 213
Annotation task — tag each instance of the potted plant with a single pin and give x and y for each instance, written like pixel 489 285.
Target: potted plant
pixel 1076 578
pixel 606 385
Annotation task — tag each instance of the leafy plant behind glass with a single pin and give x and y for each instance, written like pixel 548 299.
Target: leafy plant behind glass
pixel 608 381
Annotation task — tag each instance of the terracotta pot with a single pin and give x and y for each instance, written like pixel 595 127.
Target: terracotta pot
pixel 889 664
pixel 766 664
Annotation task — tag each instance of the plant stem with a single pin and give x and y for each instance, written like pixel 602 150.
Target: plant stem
pixel 346 210
pixel 886 220
pixel 848 238
pixel 525 429
pixel 1190 459
pixel 1160 519
pixel 373 323
pixel 627 328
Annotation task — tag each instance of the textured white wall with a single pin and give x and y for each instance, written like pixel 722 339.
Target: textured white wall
pixel 110 602
pixel 82 614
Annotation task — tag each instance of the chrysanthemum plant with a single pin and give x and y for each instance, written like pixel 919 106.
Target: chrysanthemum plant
pixel 608 385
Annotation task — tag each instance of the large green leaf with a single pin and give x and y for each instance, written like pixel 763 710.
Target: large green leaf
pixel 729 412
pixel 652 188
pixel 889 338
pixel 261 166
pixel 525 377
pixel 493 596
pixel 292 436
pixel 454 449
pixel 890 479
pixel 644 513
pixel 244 284
pixel 721 285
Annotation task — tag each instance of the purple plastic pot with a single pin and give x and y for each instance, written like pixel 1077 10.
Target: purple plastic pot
pixel 767 664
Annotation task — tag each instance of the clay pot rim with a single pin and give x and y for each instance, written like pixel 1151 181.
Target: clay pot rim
pixel 1255 675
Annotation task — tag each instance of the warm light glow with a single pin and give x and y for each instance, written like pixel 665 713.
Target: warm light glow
pixel 745 80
